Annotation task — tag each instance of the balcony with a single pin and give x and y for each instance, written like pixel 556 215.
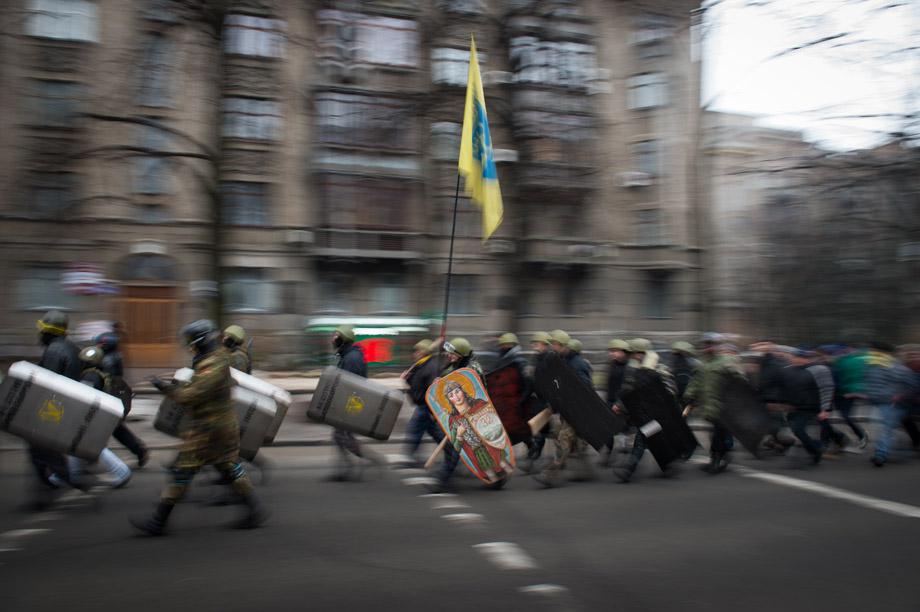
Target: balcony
pixel 341 243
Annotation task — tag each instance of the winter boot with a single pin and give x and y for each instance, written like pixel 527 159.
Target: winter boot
pixel 256 515
pixel 156 524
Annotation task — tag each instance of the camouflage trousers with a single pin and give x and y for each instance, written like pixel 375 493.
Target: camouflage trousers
pixel 567 444
pixel 215 441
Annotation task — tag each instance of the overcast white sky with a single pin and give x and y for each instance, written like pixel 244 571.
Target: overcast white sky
pixel 866 72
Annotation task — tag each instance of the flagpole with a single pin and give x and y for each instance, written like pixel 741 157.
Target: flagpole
pixel 450 259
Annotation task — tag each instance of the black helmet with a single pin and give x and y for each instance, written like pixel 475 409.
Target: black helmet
pixel 198 332
pixel 107 341
pixel 54 322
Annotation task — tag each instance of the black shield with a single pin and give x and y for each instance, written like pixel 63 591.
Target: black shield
pixel 654 409
pixel 744 413
pixel 580 406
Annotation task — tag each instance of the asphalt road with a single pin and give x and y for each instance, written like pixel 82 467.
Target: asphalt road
pixel 763 536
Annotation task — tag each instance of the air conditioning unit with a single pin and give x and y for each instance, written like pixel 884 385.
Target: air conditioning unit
pixel 497 77
pixel 298 237
pixel 504 156
pixel 635 179
pixel 582 251
pixel 500 247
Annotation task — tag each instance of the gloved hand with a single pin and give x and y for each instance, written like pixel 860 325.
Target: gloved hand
pixel 161 385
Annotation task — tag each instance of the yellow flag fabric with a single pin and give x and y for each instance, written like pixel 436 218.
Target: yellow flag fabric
pixel 477 163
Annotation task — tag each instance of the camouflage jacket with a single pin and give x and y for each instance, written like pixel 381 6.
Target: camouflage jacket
pixel 703 390
pixel 207 394
pixel 240 360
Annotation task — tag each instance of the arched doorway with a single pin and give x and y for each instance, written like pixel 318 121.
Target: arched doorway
pixel 148 308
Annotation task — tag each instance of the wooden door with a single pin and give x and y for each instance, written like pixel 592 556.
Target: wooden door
pixel 150 315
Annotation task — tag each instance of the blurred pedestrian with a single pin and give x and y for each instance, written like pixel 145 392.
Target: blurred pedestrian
pixel 350 359
pixel 849 374
pixel 810 390
pixel 683 366
pixel 112 366
pixel 419 376
pixel 617 360
pixel 702 394
pixel 213 436
pixel 539 344
pixel 234 340
pixel 888 384
pixel 641 357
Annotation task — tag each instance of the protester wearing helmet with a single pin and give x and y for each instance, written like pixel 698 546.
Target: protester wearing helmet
pixel 235 341
pixel 214 435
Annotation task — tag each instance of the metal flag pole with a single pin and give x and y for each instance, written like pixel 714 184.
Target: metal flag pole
pixel 450 260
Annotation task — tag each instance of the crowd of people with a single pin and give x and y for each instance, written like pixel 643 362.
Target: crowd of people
pixel 796 387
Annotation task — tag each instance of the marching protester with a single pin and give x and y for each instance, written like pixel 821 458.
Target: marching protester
pixel 112 366
pixel 419 376
pixel 849 373
pixel 641 357
pixel 234 340
pixel 618 358
pixel 351 359
pixel 60 356
pixel 684 365
pixel 889 384
pixel 214 434
pixel 702 395
pixel 459 354
pixel 509 389
pixel 539 344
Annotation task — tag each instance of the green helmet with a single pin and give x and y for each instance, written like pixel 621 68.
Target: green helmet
pixel 508 338
pixel 618 345
pixel 347 332
pixel 460 346
pixel 560 337
pixel 422 346
pixel 236 333
pixel 682 347
pixel 541 337
pixel 91 355
pixel 53 322
pixel 639 345
pixel 574 345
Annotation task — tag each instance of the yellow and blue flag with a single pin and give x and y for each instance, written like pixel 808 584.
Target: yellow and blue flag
pixel 477 163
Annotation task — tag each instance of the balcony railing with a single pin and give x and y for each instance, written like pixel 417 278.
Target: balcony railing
pixel 361 243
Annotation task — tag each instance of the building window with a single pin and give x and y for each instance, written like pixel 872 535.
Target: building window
pixel 251 118
pixel 250 290
pixel 445 140
pixel 657 294
pixel 351 202
pixel 356 120
pixel 564 64
pixel 151 172
pixel 154 69
pixel 469 217
pixel 648 90
pixel 452 66
pixel 40 288
pixel 464 295
pixel 63 20
pixel 56 103
pixel 389 294
pixel 353 37
pixel 256 36
pixel 649 230
pixel 556 137
pixel 652 35
pixel 51 193
pixel 334 293
pixel 164 11
pixel 646 157
pixel 245 203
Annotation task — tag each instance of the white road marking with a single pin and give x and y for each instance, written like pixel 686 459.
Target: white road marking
pixel 543 589
pixel 416 481
pixel 8 538
pixel 866 501
pixel 446 503
pixel 44 517
pixel 439 495
pixel 506 555
pixel 465 518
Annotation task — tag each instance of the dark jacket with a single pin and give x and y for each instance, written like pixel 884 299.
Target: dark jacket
pixel 113 364
pixel 683 368
pixel 515 359
pixel 581 368
pixel 62 356
pixel 615 381
pixel 802 389
pixel 351 359
pixel 420 377
pixel 770 380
